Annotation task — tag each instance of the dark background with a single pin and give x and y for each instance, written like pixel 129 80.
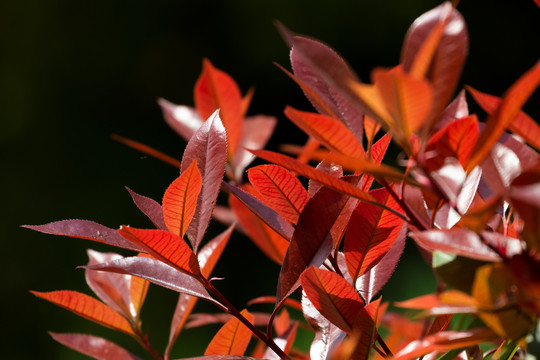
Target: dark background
pixel 74 72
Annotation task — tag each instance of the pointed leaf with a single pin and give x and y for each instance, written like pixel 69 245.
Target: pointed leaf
pixel 232 338
pixel 217 90
pixel 184 120
pixel 85 229
pixel 457 109
pixel 326 167
pixel 180 200
pixel 256 131
pixel 328 131
pixel 440 40
pixel 312 239
pixel 371 233
pixel 112 289
pixel 271 243
pixel 158 273
pixel 164 246
pixel 262 211
pixel 522 125
pixel 378 150
pixel 512 101
pixel 280 189
pixel 332 296
pixel 209 146
pixel 150 208
pixel 93 346
pixel 87 307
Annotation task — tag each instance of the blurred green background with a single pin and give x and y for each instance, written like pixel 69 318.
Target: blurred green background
pixel 74 72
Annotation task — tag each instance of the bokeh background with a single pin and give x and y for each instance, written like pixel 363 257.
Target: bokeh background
pixel 74 72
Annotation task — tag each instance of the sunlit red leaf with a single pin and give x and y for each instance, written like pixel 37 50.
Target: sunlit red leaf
pixel 457 109
pixel 326 167
pixel 437 44
pixel 284 342
pixel 164 246
pixel 138 290
pixel 112 289
pixel 280 189
pixel 85 229
pixel 94 346
pixel 312 239
pixel 512 101
pixel 332 296
pixel 371 233
pixel 269 241
pixel 328 131
pixel 522 125
pixel 184 120
pixel 232 338
pixel 87 307
pixel 180 200
pixel 208 257
pixel 150 208
pixel 311 173
pixel 378 150
pixel 209 146
pixel 364 326
pixel 444 341
pixel 256 132
pixel 217 90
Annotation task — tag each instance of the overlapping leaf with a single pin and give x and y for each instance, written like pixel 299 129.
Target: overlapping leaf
pixel 183 119
pixel 87 307
pixel 180 200
pixel 150 208
pixel 94 346
pixel 217 90
pixel 209 146
pixel 232 339
pixel 280 189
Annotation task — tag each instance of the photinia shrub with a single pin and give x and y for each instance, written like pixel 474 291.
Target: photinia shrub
pixel 467 193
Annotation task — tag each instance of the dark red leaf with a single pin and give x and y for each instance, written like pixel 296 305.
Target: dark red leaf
pixel 184 120
pixel 232 338
pixel 378 150
pixel 326 167
pixel 87 307
pixel 93 346
pixel 280 189
pixel 150 208
pixel 164 246
pixel 85 229
pixel 209 146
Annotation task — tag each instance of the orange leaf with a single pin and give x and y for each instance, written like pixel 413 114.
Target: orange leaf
pixel 145 149
pixel 330 132
pixel 87 307
pixel 232 339
pixel 512 101
pixel 180 200
pixel 163 245
pixel 280 189
pixel 217 90
pixel 522 125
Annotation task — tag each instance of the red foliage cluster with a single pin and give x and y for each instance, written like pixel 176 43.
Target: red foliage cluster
pixel 467 193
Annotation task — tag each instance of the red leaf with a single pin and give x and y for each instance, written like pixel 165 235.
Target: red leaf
pixel 280 189
pixel 371 233
pixel 150 208
pixel 184 120
pixel 265 237
pixel 217 90
pixel 522 125
pixel 378 150
pixel 457 109
pixel 328 168
pixel 164 246
pixel 180 200
pixel 512 101
pixel 85 229
pixel 312 239
pixel 93 346
pixel 208 257
pixel 256 131
pixel 209 146
pixel 332 296
pixel 328 131
pixel 232 338
pixel 457 241
pixel 311 173
pixel 87 307
pixel 444 341
pixel 443 54
pixel 138 290
pixel 112 289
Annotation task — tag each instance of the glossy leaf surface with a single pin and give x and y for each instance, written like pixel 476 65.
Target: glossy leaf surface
pixel 93 346
pixel 209 146
pixel 232 338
